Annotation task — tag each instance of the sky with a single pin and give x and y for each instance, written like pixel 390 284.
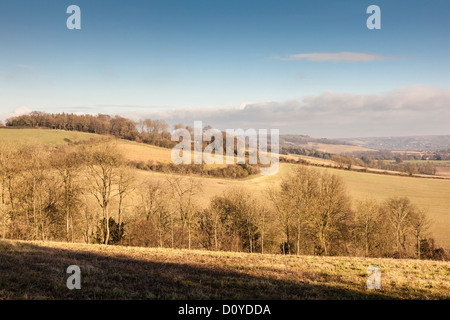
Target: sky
pixel 304 67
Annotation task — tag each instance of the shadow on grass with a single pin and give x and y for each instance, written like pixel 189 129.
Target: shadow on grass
pixel 29 271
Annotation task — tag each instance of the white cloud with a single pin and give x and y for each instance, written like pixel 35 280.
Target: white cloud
pixel 340 57
pixel 17 112
pixel 412 110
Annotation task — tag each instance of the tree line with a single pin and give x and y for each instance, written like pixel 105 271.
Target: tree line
pixel 89 193
pixel 148 131
pixel 233 171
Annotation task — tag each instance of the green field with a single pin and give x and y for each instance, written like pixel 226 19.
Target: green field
pixel 36 270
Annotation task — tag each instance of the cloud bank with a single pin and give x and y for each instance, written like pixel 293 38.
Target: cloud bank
pixel 412 110
pixel 407 111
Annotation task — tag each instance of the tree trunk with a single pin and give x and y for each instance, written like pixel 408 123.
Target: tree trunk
pixel 262 242
pixel 250 240
pixel 3 210
pixel 189 235
pixel 366 254
pixel 418 247
pixel 107 225
pixel 215 235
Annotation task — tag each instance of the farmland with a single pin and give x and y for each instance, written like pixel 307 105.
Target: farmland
pixel 47 137
pixel 430 194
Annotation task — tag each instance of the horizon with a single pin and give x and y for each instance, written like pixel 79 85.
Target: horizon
pixel 3 121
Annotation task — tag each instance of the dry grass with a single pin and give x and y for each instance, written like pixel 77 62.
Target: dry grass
pixel 143 152
pixel 135 151
pixel 45 136
pixel 336 148
pixel 443 171
pixel 36 270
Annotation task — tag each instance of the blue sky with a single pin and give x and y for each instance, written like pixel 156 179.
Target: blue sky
pixel 218 60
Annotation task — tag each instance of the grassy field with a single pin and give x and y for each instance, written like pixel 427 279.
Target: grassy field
pixel 440 163
pixel 132 150
pixel 336 148
pixel 143 152
pixel 443 171
pixel 37 270
pixel 45 136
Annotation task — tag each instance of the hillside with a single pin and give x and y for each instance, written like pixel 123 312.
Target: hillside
pixel 323 145
pixel 45 136
pixel 132 150
pixel 413 143
pixel 36 270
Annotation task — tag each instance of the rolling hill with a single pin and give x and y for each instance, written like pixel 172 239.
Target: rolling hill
pixel 45 136
pixel 412 143
pixel 430 194
pixel 323 145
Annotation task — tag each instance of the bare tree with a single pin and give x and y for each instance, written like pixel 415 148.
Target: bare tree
pixel 103 162
pixel 281 205
pixel 184 192
pixel 90 216
pixel 263 220
pixel 237 212
pixel 7 154
pixel 367 224
pixel 420 224
pixel 68 163
pixel 399 210
pixel 125 185
pixel 155 199
pixel 330 218
pixel 300 191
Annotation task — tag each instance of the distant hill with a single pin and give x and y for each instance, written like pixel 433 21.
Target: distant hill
pixel 322 144
pixel 303 139
pixel 412 143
